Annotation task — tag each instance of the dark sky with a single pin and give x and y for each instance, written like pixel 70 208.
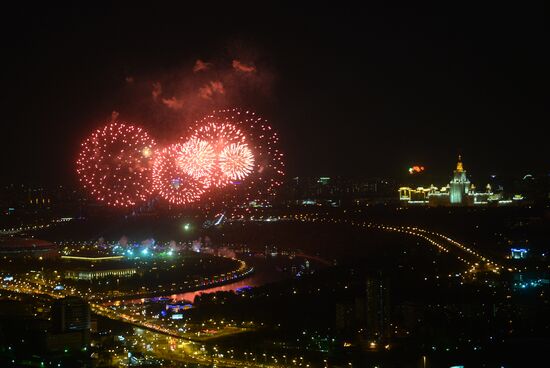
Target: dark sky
pixel 353 91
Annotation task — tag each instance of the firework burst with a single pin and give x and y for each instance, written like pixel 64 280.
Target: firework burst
pixel 197 159
pixel 219 136
pixel 114 164
pixel 171 181
pixel 249 158
pixel 236 161
pixel 230 159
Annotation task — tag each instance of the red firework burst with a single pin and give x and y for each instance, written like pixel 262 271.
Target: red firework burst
pixel 219 136
pixel 197 158
pixel 171 181
pixel 114 164
pixel 258 168
pixel 236 161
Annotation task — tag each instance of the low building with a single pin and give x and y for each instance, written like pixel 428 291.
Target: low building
pixel 99 274
pixel 27 248
pixel 518 253
pixel 93 267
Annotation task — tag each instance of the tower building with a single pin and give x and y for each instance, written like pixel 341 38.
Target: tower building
pixel 70 325
pixel 378 312
pixel 71 314
pixel 459 185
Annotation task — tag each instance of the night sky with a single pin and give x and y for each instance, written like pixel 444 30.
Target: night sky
pixel 353 91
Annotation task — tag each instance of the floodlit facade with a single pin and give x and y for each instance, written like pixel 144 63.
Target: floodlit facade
pixel 99 274
pixel 459 186
pixel 459 192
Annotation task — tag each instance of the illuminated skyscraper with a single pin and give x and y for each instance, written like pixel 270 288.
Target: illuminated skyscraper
pixel 70 325
pixel 459 186
pixel 71 314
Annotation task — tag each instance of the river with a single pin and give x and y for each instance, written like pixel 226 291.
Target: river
pixel 266 271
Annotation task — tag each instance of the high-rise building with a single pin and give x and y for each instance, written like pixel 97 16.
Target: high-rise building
pixel 378 324
pixel 70 314
pixel 70 325
pixel 459 185
pixel 344 317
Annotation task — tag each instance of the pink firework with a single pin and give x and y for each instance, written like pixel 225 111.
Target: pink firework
pixel 219 136
pixel 197 159
pixel 171 181
pixel 258 169
pixel 236 161
pixel 114 164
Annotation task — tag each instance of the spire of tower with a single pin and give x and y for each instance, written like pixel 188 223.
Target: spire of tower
pixel 459 167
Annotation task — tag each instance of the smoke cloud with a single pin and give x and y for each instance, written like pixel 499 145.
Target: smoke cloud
pixel 114 116
pixel 201 65
pixel 208 90
pixel 168 102
pixel 157 90
pixel 237 65
pixel 173 103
